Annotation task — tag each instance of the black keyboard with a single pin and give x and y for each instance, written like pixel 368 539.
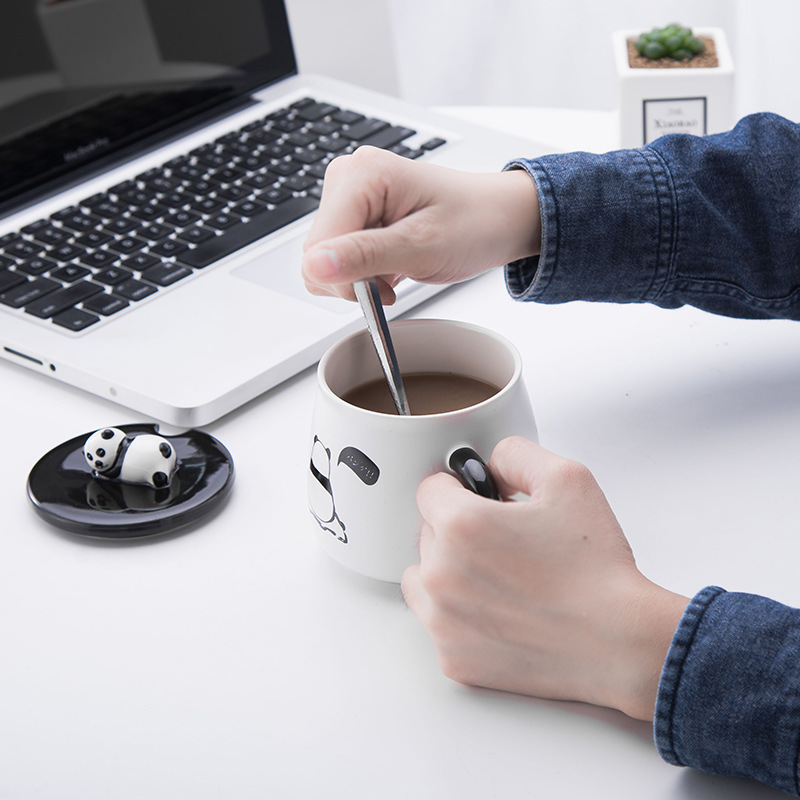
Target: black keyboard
pixel 92 260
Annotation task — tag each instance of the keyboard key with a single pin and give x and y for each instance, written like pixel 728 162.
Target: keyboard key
pixel 79 222
pixel 51 235
pixel 406 152
pixel 126 245
pixel 222 222
pixel 324 128
pixel 147 213
pixel 121 225
pixel 248 232
pixel 154 231
pixel 249 208
pixel 348 117
pixel 364 128
pixel 300 139
pixel 75 319
pixel 299 183
pixel 207 205
pixel 23 249
pixel 260 180
pixel 98 259
pixel 432 144
pixel 136 197
pixel 114 275
pixel 37 265
pixel 275 195
pixel 9 279
pixel 387 137
pixel 235 193
pixel 285 168
pixel 139 261
pixel 93 239
pixel 196 235
pixel 168 247
pixel 105 208
pixel 278 150
pixel 229 175
pixel 34 226
pixel 165 274
pixel 314 111
pixel 56 302
pixel 70 273
pixel 134 290
pixel 105 304
pixel 289 124
pixel 65 252
pixel 333 144
pixel 310 155
pixel 180 219
pixel 25 293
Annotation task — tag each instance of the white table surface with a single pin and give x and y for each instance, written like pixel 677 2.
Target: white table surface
pixel 236 660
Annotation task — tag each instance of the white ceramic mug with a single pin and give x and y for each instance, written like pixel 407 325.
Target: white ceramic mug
pixel 365 466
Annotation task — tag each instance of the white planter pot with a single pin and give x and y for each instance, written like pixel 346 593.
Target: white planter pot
pixel 657 101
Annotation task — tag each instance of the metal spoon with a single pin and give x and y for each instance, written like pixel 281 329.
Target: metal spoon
pixel 369 299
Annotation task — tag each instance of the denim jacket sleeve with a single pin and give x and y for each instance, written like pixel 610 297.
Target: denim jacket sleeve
pixel 729 697
pixel 712 222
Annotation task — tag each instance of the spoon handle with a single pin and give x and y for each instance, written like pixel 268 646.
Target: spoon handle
pixel 370 301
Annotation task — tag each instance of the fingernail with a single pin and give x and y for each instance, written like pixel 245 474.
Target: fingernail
pixel 324 262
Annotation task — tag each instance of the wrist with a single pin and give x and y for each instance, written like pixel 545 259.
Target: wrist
pixel 650 622
pixel 518 223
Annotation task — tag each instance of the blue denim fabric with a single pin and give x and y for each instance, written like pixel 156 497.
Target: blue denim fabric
pixel 712 222
pixel 729 697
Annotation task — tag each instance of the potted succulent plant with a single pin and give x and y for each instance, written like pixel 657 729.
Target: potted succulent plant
pixel 673 80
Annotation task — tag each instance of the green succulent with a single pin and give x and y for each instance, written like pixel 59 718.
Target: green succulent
pixel 673 41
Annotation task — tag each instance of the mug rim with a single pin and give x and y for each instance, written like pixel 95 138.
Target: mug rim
pixel 506 343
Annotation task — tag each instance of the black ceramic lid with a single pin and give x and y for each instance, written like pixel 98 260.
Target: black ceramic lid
pixel 65 493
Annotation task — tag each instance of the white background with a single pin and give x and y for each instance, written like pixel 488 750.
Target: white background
pixel 534 53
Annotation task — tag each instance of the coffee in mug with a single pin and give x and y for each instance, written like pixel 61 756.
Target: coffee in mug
pixel 426 393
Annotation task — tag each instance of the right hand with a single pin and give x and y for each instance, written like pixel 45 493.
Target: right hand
pixel 387 217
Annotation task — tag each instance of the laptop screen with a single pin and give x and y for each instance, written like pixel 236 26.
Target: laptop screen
pixel 85 81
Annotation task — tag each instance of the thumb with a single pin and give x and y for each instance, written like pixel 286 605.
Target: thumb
pixel 362 254
pixel 352 257
pixel 520 465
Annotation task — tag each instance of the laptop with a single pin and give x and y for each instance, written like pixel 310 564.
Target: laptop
pixel 159 171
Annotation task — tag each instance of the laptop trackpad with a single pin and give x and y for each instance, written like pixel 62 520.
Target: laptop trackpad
pixel 278 269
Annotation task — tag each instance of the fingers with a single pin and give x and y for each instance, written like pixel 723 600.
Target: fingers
pixel 354 193
pixel 437 497
pixel 351 237
pixel 520 465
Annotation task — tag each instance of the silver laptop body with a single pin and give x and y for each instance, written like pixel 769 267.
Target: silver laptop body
pixel 202 346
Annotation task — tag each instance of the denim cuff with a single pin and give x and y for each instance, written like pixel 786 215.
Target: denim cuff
pixel 608 228
pixel 729 697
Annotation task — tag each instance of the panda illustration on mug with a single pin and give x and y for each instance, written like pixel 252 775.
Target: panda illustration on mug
pixel 322 500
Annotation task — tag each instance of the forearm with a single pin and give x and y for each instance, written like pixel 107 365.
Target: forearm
pixel 706 221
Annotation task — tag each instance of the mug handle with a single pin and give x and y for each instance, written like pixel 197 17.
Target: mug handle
pixel 473 472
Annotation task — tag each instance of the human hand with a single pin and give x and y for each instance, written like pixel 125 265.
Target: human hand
pixel 387 217
pixel 540 596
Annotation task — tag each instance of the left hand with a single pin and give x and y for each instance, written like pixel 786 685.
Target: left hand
pixel 542 596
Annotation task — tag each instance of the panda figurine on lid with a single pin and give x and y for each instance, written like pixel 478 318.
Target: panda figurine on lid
pixel 142 458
